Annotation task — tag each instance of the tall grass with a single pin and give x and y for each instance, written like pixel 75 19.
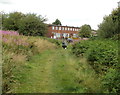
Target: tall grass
pixel 17 50
pixel 0 62
pixel 75 75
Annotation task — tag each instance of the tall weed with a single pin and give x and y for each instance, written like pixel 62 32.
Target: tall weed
pixel 17 50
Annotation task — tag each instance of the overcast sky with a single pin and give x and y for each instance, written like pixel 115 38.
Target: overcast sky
pixel 69 12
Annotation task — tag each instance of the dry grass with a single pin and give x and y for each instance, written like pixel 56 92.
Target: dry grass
pixel 42 45
pixel 18 49
pixel 19 58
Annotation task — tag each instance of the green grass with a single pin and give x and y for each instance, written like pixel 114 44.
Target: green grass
pixel 56 71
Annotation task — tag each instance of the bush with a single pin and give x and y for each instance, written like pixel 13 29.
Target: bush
pixel 57 42
pixel 103 57
pixel 111 81
pixel 80 48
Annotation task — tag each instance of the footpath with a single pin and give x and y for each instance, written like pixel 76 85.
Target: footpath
pixel 57 71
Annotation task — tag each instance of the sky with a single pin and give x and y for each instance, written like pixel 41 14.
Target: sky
pixel 69 12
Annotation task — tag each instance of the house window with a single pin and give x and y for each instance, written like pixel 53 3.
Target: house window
pixel 68 35
pixel 59 28
pixel 54 35
pixel 58 35
pixel 65 28
pixel 74 35
pixel 65 35
pixel 62 28
pixel 53 27
pixel 56 28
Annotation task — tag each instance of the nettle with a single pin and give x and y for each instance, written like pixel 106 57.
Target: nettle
pixel 80 48
pixel 103 54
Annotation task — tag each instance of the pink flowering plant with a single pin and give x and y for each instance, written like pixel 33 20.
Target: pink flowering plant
pixel 12 33
pixel 14 47
pixel 15 42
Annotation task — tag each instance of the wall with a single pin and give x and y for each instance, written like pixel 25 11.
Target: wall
pixel 53 29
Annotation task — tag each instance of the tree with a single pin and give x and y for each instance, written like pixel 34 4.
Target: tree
pixel 32 25
pixel 26 24
pixel 11 21
pixel 110 25
pixel 85 31
pixel 57 22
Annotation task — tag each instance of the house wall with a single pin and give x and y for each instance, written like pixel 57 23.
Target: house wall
pixel 62 31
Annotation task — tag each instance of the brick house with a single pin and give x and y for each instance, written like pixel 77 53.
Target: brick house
pixel 58 31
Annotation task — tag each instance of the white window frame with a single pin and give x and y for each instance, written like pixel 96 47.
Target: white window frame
pixel 66 28
pixel 75 35
pixel 53 27
pixel 58 35
pixel 60 28
pixel 63 28
pixel 56 28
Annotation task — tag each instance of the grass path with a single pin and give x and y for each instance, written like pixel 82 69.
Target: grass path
pixel 57 71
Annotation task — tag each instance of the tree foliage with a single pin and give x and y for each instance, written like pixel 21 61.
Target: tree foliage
pixel 32 25
pixel 110 25
pixel 11 21
pixel 85 31
pixel 57 22
pixel 26 24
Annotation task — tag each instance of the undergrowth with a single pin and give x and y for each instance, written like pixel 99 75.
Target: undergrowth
pixel 102 55
pixel 16 51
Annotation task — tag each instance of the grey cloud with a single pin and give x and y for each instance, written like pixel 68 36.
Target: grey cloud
pixel 5 2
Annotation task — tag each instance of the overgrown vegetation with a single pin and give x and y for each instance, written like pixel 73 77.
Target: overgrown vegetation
pixel 98 56
pixel 102 55
pixel 17 50
pixel 32 64
pixel 102 52
pixel 57 42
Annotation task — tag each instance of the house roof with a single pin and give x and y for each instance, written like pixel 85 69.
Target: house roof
pixel 62 26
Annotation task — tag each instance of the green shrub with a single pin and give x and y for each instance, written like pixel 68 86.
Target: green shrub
pixel 80 48
pixel 102 55
pixel 111 81
pixel 57 42
pixel 98 52
pixel 116 37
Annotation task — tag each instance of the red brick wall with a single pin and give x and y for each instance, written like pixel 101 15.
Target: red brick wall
pixel 50 30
